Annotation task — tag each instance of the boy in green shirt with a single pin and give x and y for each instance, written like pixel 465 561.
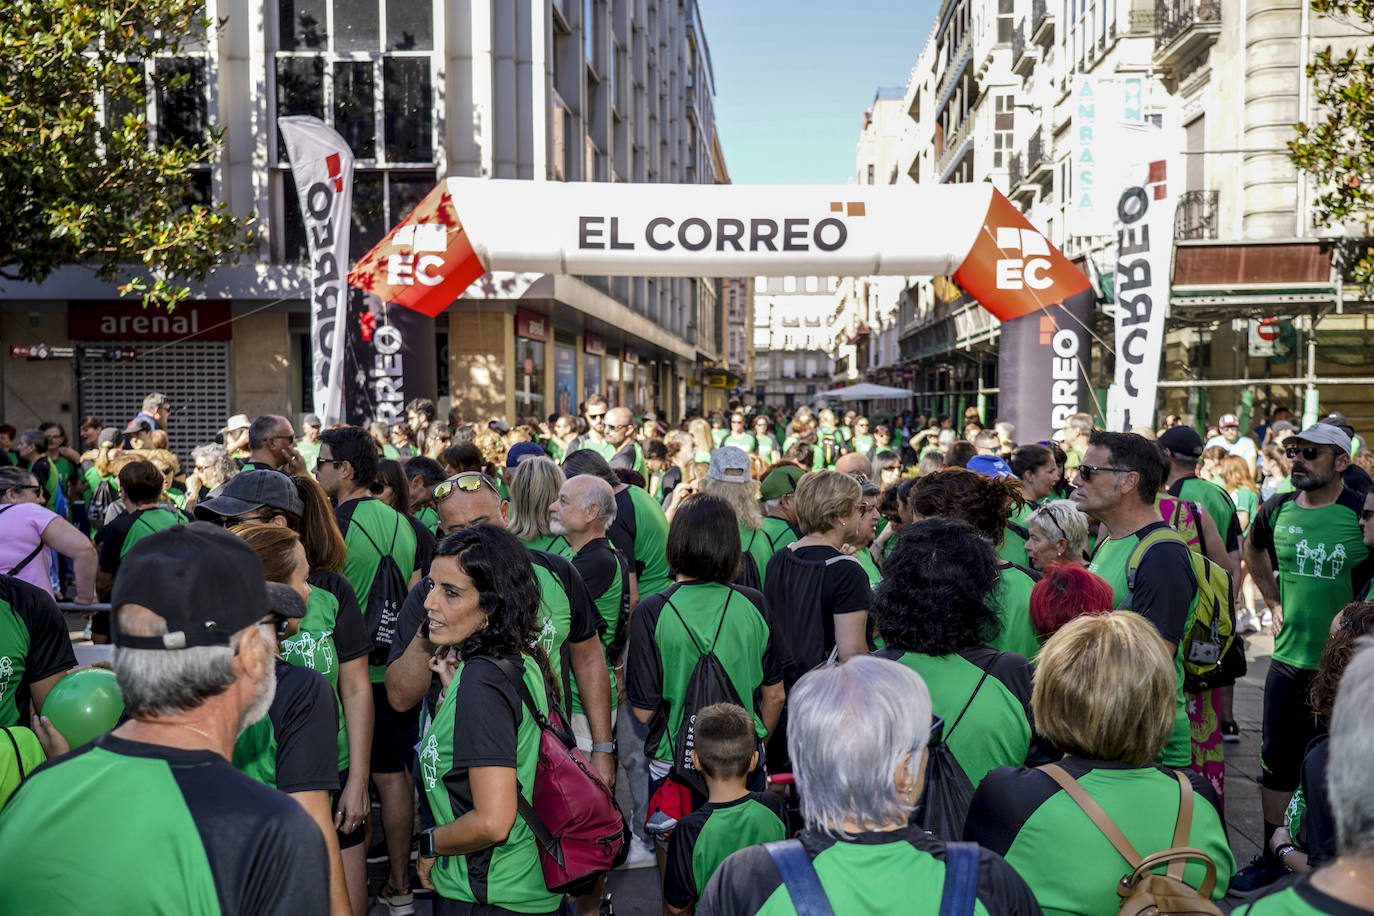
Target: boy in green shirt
pixel 726 752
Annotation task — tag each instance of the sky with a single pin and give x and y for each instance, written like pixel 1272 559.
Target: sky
pixel 794 77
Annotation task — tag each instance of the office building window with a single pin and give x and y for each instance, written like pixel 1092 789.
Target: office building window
pixel 367 68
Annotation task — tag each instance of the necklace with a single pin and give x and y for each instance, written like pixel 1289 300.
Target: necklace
pixel 190 728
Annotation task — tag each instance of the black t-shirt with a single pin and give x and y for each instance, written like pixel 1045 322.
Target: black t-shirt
pixel 1357 479
pixel 424 544
pixel 805 597
pixel 350 628
pixel 1317 828
pixel 182 831
pixel 671 479
pixel 33 641
pixel 905 876
pixel 293 748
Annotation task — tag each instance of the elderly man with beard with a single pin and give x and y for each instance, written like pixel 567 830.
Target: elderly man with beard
pixel 164 820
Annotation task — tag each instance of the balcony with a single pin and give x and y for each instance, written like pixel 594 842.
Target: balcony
pixel 1042 24
pixel 1023 55
pixel 1019 189
pixel 1196 217
pixel 1184 29
pixel 1038 165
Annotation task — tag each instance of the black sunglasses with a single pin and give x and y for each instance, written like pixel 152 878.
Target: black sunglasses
pixel 1088 470
pixel 333 462
pixel 1308 452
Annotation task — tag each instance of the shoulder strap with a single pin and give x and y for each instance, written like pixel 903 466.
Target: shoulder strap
pixel 977 687
pixel 27 560
pixel 799 875
pixel 517 680
pixel 1158 536
pixel 1184 826
pixel 721 625
pixel 960 894
pixel 1094 812
pixel 18 755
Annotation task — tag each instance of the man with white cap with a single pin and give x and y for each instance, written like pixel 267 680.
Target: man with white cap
pixel 1231 439
pixel 235 433
pixel 1308 557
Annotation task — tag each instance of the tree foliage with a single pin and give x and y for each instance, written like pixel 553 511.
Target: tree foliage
pixel 81 182
pixel 1338 149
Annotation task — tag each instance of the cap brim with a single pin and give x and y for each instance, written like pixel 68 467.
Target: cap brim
pixel 283 600
pixel 224 507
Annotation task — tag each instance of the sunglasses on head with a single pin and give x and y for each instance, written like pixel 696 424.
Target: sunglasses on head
pixel 468 482
pixel 1088 470
pixel 1308 452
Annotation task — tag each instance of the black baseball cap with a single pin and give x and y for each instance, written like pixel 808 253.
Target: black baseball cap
pixel 1182 441
pixel 249 490
pixel 206 583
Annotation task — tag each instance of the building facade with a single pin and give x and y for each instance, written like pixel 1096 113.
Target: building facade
pixel 1259 315
pixel 792 337
pixel 541 90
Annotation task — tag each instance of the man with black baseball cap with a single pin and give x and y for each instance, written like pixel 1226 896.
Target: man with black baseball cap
pixel 165 820
pixel 1184 447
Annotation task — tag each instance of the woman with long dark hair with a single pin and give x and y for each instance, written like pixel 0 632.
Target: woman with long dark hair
pixel 481 748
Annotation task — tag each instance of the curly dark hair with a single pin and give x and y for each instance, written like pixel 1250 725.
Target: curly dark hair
pixel 499 566
pixel 1357 619
pixel 986 503
pixel 933 597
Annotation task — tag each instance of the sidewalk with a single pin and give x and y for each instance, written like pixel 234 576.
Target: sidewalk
pixel 1244 821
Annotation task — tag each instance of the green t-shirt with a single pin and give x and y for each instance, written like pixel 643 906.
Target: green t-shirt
pixel 34 645
pixel 718 435
pixel 754 542
pixel 599 565
pixel 650 542
pixel 429 517
pixel 568 613
pixel 780 533
pixel 372 529
pixel 766 447
pixel 1246 500
pixel 816 461
pixel 288 749
pixel 1010 598
pixel 553 543
pixel 865 558
pixel 313 647
pixel 744 441
pixel 862 444
pixel 1023 815
pixel 669 632
pixel 1166 595
pixel 1218 504
pixel 18 760
pixel 995 728
pixel 483 723
pixel 704 838
pixel 1322 562
pixel 1299 898
pixel 1013 546
pixel 194 838
pixel 310 452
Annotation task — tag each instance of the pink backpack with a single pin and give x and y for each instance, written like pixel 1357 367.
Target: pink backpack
pixel 1183 517
pixel 573 815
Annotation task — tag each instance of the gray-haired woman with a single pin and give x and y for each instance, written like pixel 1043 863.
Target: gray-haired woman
pixel 1058 534
pixel 857 738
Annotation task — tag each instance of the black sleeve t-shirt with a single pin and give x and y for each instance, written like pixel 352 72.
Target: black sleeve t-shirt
pixel 1165 587
pixel 34 639
pixel 305 725
pixel 112 541
pixel 350 631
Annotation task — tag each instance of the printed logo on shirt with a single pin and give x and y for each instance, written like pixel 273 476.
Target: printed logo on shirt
pixel 429 762
pixel 6 673
pixel 1319 562
pixel 548 634
pixel 314 651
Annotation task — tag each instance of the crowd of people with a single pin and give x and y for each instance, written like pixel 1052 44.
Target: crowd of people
pixel 887 637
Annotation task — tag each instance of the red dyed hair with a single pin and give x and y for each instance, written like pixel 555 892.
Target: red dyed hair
pixel 1067 591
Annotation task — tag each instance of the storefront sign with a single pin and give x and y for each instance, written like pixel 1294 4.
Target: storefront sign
pixel 131 321
pixel 594 344
pixel 322 166
pixel 564 378
pixel 532 325
pixel 631 357
pixel 717 230
pixel 1144 244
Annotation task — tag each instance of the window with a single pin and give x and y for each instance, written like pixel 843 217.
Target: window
pixel 870 173
pixel 367 68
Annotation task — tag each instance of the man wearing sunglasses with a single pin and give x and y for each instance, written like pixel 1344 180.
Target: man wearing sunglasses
pixel 622 434
pixel 1307 553
pixel 1117 483
pixel 572 625
pixel 595 437
pixel 271 442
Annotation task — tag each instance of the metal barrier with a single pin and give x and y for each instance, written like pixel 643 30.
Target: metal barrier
pixel 71 607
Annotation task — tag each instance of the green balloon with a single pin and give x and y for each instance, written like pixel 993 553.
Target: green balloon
pixel 84 705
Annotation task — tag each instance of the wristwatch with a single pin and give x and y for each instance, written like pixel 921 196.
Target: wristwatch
pixel 604 747
pixel 1283 850
pixel 427 844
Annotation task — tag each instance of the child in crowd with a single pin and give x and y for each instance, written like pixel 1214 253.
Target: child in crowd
pixel 726 752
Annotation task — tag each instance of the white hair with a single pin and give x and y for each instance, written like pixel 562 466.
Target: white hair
pixel 1352 747
pixel 849 727
pixel 1060 518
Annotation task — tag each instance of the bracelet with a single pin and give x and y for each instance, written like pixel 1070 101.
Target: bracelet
pixel 1283 850
pixel 604 747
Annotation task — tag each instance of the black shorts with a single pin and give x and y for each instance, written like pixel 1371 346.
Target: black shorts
pixel 446 907
pixel 394 734
pixel 1289 726
pixel 346 840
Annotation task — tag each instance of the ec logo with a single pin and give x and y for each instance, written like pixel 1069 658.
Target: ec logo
pixel 417 267
pixel 1030 270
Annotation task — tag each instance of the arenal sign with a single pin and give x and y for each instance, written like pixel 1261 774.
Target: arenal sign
pixel 466 227
pixel 131 321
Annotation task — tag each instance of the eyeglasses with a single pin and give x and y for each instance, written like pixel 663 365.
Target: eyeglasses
pixel 35 488
pixel 595 416
pixel 332 462
pixel 1088 470
pixel 468 482
pixel 278 623
pixel 1308 452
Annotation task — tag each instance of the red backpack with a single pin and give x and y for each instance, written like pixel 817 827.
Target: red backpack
pixel 573 815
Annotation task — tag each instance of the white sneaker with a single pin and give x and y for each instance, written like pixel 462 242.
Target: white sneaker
pixel 1266 620
pixel 641 856
pixel 1249 623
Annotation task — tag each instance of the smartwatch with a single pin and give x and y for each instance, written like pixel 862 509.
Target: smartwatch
pixel 427 844
pixel 604 747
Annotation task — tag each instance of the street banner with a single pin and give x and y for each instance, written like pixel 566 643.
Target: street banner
pixel 1143 248
pixel 391 359
pixel 468 226
pixel 322 166
pixel 1102 106
pixel 1043 367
